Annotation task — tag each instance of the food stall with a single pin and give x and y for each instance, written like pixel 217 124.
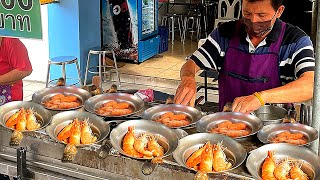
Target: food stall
pixel 41 155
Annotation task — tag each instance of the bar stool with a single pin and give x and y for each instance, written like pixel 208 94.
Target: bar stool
pixel 171 19
pixel 63 61
pixel 102 54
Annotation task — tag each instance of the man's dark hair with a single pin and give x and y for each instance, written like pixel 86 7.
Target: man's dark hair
pixel 275 3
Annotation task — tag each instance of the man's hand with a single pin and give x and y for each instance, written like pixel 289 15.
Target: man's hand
pixel 245 104
pixel 186 92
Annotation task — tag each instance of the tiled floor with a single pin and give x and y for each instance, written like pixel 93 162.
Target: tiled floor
pixel 167 65
pixel 141 76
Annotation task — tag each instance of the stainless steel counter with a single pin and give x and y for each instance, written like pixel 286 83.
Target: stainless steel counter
pixel 95 162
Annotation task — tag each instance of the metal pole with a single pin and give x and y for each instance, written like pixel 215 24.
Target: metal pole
pixel 316 96
pixel 314 21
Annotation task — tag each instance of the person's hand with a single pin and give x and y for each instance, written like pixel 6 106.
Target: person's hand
pixel 186 92
pixel 246 104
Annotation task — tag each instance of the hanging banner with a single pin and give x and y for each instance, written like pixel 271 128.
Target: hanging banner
pixel 20 18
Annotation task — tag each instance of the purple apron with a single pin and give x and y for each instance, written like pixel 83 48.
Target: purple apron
pixel 5 94
pixel 243 73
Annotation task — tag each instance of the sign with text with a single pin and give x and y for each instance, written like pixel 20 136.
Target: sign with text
pixel 20 18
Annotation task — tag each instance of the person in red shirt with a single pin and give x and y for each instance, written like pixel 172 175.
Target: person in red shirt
pixel 14 66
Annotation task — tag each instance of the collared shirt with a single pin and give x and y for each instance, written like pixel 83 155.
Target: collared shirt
pixel 252 49
pixel 296 54
pixel 14 55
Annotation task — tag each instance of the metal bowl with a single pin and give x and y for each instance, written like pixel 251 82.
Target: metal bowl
pixel 311 162
pixel 206 123
pixel 93 103
pixel 235 153
pixel 271 130
pixel 6 111
pixel 44 95
pixel 168 138
pixel 155 112
pixel 271 114
pixel 100 128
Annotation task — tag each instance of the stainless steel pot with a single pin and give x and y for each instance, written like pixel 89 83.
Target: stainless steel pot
pixel 206 123
pixel 93 103
pixel 168 138
pixel 7 110
pixel 44 95
pixel 271 130
pixel 99 127
pixel 155 112
pixel 311 162
pixel 235 153
pixel 270 114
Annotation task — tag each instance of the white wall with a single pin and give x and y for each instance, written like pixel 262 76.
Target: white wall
pixel 39 50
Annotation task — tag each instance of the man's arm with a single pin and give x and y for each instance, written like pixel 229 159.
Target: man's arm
pixel 296 91
pixel 186 91
pixel 13 76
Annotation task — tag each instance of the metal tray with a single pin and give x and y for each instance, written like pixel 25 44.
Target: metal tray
pixel 269 131
pixel 8 109
pixel 44 95
pixel 235 153
pixel 61 120
pixel 311 162
pixel 155 112
pixel 168 137
pixel 206 123
pixel 93 103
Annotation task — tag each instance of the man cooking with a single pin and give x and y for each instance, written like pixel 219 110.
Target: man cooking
pixel 260 60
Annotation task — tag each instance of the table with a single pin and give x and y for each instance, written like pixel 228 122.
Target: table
pixel 203 7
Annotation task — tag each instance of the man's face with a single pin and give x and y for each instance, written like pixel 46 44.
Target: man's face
pixel 260 11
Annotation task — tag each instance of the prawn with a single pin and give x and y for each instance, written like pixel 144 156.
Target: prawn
pixel 120 112
pixel 238 126
pixel 226 124
pixel 237 133
pixel 177 123
pixel 297 141
pixel 32 123
pixel 206 159
pixel 110 104
pixel 282 171
pixel 66 132
pixel 75 133
pixel 206 162
pixel 219 159
pixel 21 120
pixel 167 115
pixel 127 143
pixel 297 174
pixel 87 136
pixel 12 121
pixel 195 158
pixel 122 105
pixel 69 98
pixel 179 117
pixel 154 147
pixel 140 145
pixel 57 96
pixel 268 167
pixel 296 136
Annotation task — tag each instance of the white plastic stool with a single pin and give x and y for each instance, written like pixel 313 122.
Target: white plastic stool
pixel 102 55
pixel 63 61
